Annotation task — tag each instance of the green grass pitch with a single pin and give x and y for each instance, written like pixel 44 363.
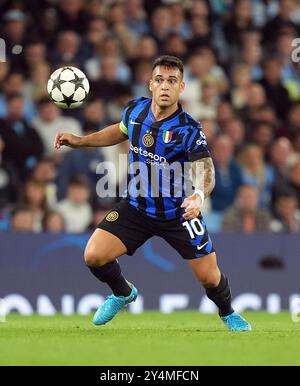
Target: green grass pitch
pixel 151 338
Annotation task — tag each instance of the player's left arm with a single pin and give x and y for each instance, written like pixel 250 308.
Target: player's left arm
pixel 203 176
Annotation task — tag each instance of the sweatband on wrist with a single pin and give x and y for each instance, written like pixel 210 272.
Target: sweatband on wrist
pixel 201 194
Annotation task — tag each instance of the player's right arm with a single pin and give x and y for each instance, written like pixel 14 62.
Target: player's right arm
pixel 203 172
pixel 111 135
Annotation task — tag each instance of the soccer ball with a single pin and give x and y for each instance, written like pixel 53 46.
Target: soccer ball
pixel 68 87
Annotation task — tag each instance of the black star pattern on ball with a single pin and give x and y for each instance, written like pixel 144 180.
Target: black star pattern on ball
pixel 57 82
pixel 68 100
pixel 78 82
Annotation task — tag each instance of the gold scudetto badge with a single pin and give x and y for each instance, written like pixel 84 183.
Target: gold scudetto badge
pixel 112 216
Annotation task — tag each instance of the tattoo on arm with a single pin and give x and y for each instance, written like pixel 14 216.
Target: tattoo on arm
pixel 203 174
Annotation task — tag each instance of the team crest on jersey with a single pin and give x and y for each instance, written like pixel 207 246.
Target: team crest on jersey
pixel 167 136
pixel 112 216
pixel 148 140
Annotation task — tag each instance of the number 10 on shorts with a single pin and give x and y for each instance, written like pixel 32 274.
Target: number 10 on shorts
pixel 194 227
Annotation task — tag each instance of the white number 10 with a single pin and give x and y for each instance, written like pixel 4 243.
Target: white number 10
pixel 194 227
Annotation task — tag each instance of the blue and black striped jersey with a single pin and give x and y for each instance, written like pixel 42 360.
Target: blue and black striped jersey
pixel 175 140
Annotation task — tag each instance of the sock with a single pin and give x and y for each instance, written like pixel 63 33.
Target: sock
pixel 111 274
pixel 221 296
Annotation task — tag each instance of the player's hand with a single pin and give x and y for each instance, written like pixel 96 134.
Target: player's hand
pixel 192 205
pixel 67 139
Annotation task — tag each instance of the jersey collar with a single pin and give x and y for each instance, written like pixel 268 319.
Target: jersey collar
pixel 169 118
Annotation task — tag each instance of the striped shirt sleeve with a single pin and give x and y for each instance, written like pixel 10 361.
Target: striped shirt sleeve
pixel 125 116
pixel 195 144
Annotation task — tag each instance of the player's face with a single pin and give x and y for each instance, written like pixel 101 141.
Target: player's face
pixel 166 84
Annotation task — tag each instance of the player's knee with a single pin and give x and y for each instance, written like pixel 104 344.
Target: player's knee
pixel 210 279
pixel 94 257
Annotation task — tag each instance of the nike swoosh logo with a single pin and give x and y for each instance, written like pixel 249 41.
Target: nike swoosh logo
pixel 201 246
pixel 133 123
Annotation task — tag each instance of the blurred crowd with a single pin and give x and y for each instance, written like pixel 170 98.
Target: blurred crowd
pixel 242 85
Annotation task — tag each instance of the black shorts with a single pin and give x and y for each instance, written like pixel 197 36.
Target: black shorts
pixel 190 238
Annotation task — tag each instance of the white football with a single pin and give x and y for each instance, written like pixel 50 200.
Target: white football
pixel 68 87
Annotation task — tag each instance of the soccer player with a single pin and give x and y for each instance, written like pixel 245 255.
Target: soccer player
pixel 160 133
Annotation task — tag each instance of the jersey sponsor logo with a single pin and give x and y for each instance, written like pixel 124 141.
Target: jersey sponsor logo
pixel 200 142
pixel 148 140
pixel 112 216
pixel 145 153
pixel 167 136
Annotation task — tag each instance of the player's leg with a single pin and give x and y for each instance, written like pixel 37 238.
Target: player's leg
pixel 193 243
pixel 215 283
pixel 218 290
pixel 100 256
pixel 122 231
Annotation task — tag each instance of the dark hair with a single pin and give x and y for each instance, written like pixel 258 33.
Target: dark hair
pixel 257 124
pixel 43 101
pixel 14 96
pixel 48 215
pixel 168 61
pixel 270 59
pixel 79 180
pixel 35 41
pixel 21 208
pixel 287 193
pixel 36 184
pixel 15 73
pixel 265 106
